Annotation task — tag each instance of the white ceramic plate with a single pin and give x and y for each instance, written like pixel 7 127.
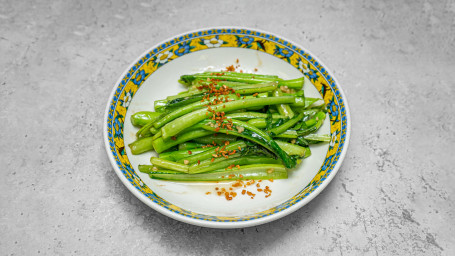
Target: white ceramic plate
pixel 154 76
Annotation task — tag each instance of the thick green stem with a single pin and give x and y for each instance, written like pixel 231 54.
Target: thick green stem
pixel 246 172
pixel 209 161
pixel 185 110
pixel 142 118
pixel 258 123
pixel 283 109
pixel 176 126
pixel 183 94
pixel 293 83
pixel 146 131
pixel 313 124
pixel 302 103
pixel 160 144
pixel 218 138
pixel 190 145
pixel 146 168
pixel 243 116
pixel 234 163
pixel 160 106
pixel 180 154
pixel 317 137
pixel 256 88
pixel 289 134
pixel 142 145
pixel 293 149
pixel 182 101
pixel 169 165
pixel 286 125
pixel 243 78
pixel 228 76
pixel 237 146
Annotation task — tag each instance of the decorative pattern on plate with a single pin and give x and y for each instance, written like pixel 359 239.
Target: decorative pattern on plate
pixel 211 38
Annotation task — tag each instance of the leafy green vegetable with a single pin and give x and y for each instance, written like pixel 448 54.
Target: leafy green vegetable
pixel 230 126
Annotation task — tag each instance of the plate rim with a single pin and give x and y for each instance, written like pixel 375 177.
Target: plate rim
pixel 238 224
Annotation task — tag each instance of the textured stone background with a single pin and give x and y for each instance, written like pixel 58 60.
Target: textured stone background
pixel 393 195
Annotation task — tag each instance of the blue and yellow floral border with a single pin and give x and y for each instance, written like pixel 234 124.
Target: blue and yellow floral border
pixel 213 38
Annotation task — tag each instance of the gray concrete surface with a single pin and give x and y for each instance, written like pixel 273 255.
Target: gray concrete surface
pixel 393 195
